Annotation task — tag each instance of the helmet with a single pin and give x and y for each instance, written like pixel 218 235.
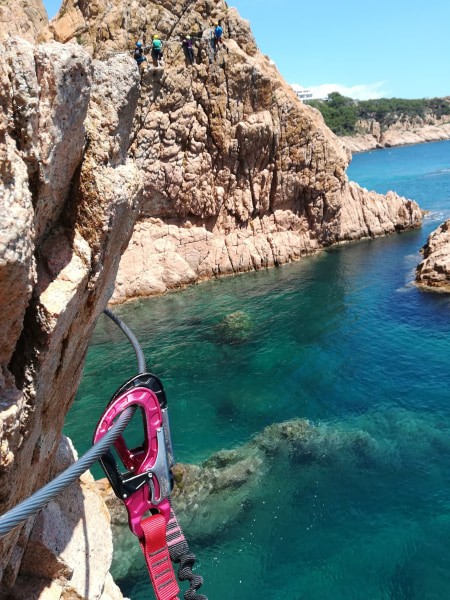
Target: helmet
pixel 138 44
pixel 155 37
pixel 188 37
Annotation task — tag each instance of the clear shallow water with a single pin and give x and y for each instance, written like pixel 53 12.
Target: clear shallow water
pixel 342 339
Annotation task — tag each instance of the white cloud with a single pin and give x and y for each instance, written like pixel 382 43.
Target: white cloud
pixel 368 91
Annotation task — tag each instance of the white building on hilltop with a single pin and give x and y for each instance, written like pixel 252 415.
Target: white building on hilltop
pixel 305 94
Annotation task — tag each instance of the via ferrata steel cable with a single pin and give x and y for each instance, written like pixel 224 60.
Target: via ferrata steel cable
pixel 130 335
pixel 34 503
pixel 38 500
pixel 178 547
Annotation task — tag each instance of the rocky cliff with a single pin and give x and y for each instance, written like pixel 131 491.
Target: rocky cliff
pixel 238 174
pixel 24 19
pixel 226 170
pixel 69 198
pixel 402 132
pixel 434 271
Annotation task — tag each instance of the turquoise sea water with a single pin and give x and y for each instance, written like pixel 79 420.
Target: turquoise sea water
pixel 345 340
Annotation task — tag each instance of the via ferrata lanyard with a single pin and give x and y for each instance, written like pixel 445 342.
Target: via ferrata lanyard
pixel 146 484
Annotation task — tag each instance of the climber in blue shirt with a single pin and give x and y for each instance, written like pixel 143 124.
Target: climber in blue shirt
pixel 217 34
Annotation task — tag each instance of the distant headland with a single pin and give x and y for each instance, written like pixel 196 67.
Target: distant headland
pixel 385 122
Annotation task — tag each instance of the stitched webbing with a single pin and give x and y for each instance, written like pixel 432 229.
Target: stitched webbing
pixel 157 557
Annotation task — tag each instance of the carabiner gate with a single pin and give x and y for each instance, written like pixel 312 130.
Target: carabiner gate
pixel 147 483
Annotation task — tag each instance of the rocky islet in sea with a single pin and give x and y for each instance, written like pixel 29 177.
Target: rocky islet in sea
pixel 434 271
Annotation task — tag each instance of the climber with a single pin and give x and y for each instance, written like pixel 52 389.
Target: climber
pixel 217 34
pixel 187 45
pixel 157 51
pixel 138 54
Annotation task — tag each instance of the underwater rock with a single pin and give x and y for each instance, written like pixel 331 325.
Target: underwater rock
pixel 209 496
pixel 286 460
pixel 307 443
pixel 235 327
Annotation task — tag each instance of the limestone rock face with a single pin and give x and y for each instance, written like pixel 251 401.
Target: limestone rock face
pixel 69 197
pixel 434 270
pixel 25 19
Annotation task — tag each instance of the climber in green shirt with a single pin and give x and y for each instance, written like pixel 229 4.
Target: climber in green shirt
pixel 157 50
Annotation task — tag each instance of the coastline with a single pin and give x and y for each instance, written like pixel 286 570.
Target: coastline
pixel 393 138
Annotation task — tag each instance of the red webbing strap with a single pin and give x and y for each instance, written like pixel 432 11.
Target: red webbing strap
pixel 156 554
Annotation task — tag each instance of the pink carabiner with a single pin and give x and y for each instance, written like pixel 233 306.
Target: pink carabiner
pixel 150 458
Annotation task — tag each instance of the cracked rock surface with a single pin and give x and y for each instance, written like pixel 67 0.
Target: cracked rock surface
pixel 238 174
pixel 69 197
pixel 434 271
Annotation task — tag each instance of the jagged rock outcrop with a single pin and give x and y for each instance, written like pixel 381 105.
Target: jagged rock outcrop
pixel 434 270
pixel 238 173
pixel 68 201
pixel 162 255
pixel 401 133
pixel 24 19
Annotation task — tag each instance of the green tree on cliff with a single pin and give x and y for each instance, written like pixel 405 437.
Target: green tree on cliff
pixel 339 113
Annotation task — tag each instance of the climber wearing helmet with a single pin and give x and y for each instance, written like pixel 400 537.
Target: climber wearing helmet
pixel 157 50
pixel 217 34
pixel 138 54
pixel 187 45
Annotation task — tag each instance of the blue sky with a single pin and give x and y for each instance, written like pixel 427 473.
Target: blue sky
pixel 362 49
